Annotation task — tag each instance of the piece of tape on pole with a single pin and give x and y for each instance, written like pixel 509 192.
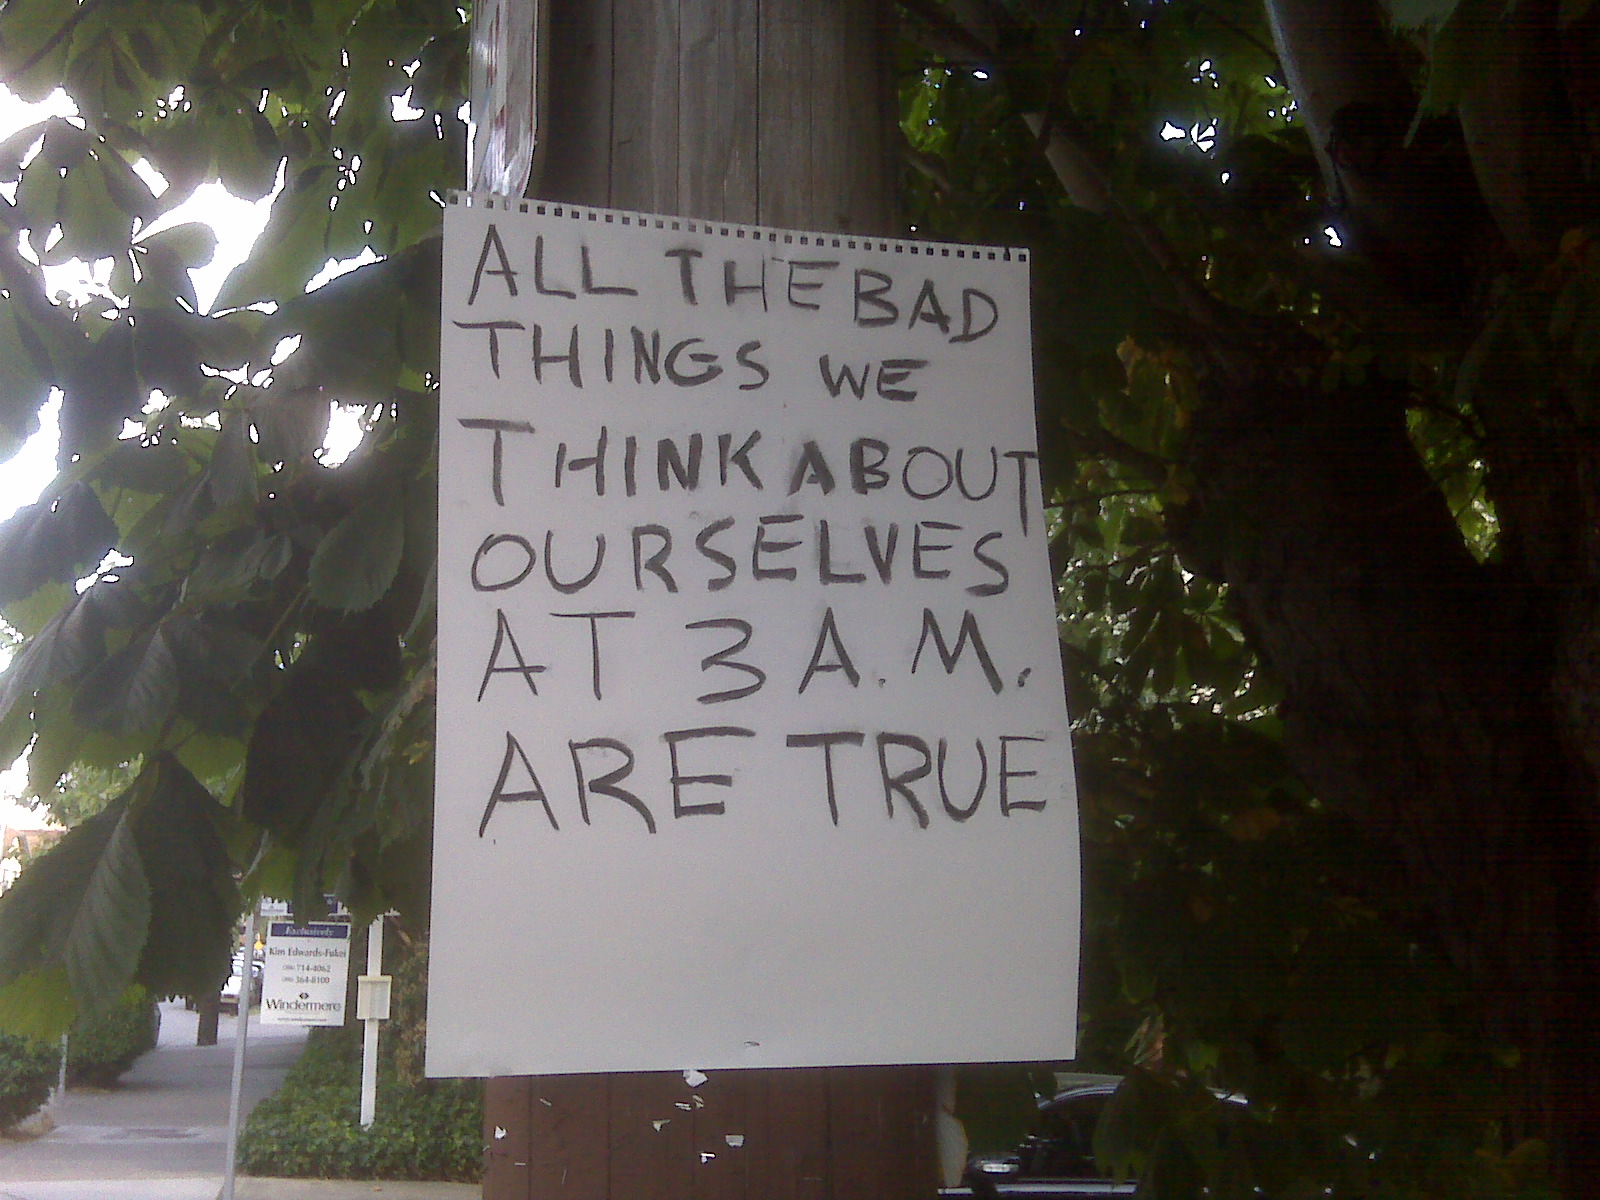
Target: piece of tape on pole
pixel 504 95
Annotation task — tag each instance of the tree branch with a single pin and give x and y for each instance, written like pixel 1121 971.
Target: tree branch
pixel 1522 139
pixel 1238 30
pixel 1403 193
pixel 941 34
pixel 931 167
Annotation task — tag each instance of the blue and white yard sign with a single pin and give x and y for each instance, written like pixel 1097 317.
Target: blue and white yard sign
pixel 306 973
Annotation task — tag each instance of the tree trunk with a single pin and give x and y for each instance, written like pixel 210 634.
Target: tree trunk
pixel 1444 702
pixel 774 112
pixel 1421 696
pixel 210 1012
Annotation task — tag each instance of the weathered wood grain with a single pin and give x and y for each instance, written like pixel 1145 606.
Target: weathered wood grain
pixel 645 91
pixel 784 73
pixel 574 160
pixel 652 1143
pixel 880 1126
pixel 722 1142
pixel 718 113
pixel 507 1134
pixel 568 1140
pixel 754 111
pixel 786 1134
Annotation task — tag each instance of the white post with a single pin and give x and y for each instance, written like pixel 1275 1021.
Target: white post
pixel 241 1035
pixel 61 1073
pixel 949 1134
pixel 369 1036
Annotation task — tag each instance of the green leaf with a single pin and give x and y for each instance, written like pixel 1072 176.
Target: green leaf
pixel 37 1004
pixel 351 328
pixel 16 731
pixel 13 148
pixel 133 690
pixel 57 745
pixel 1129 1131
pixel 53 541
pixel 193 243
pixel 291 249
pixel 226 341
pixel 29 616
pixel 292 423
pixel 275 873
pixel 193 898
pixel 232 473
pixel 102 386
pixel 110 922
pixel 25 373
pixel 299 747
pixel 357 559
pixel 214 758
pixel 229 568
pixel 247 156
pixel 156 469
pixel 82 906
pixel 72 640
pixel 93 209
pixel 212 661
pixel 191 505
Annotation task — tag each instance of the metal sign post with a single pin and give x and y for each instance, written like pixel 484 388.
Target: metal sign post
pixel 241 1036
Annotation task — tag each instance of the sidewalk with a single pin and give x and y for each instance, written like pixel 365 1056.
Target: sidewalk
pixel 161 1134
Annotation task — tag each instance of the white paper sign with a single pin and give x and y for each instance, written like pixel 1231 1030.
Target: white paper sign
pixel 307 968
pixel 751 742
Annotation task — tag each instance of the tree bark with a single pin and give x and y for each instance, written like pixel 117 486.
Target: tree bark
pixel 1418 698
pixel 776 112
pixel 1402 193
pixel 1447 704
pixel 1421 695
pixel 210 1012
pixel 1520 130
pixel 1443 702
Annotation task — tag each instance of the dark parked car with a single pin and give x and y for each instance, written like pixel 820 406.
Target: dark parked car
pixel 1058 1159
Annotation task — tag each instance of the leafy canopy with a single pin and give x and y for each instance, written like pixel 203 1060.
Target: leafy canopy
pixel 261 646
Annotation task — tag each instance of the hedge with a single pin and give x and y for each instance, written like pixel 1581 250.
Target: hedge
pixel 27 1070
pixel 426 1129
pixel 100 1048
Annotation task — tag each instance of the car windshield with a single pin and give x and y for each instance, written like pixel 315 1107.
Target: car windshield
pixel 1064 1145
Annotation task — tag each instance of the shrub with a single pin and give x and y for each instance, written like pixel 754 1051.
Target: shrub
pixel 425 1128
pixel 101 1047
pixel 27 1069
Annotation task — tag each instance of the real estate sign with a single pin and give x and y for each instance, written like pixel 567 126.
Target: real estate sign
pixel 751 741
pixel 306 972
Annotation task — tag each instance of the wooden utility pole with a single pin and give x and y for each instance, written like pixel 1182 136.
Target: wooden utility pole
pixel 772 112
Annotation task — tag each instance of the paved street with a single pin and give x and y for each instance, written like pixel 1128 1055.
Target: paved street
pixel 162 1133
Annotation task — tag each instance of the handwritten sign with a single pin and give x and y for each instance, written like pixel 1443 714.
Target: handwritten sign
pixel 751 741
pixel 307 968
